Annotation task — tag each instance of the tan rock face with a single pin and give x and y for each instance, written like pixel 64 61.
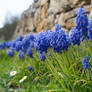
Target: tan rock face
pixel 67 20
pixel 55 6
pixel 44 14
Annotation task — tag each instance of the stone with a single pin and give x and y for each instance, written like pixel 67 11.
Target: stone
pixel 65 5
pixel 90 16
pixel 43 11
pixel 70 23
pixel 87 8
pixel 50 21
pixel 74 1
pixel 41 26
pixel 44 14
pixel 65 17
pixel 37 18
pixel 43 2
pixel 55 7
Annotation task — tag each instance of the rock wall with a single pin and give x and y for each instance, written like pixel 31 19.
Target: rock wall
pixel 44 14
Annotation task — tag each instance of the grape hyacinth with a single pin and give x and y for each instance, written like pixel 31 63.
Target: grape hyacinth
pixel 75 36
pixel 42 56
pixel 19 38
pixel 26 42
pixel 53 55
pixel 18 46
pixel 57 27
pixel 21 55
pixel 87 57
pixel 82 22
pixel 13 44
pixel 41 42
pixel 10 53
pixel 85 63
pixel 3 45
pixel 29 52
pixel 30 68
pixel 31 37
pixel 59 40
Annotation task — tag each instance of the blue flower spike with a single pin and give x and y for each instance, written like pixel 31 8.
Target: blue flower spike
pixel 85 63
pixel 30 68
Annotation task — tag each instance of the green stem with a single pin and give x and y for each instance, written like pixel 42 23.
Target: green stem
pixel 56 74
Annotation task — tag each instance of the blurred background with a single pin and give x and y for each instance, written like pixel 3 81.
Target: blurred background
pixel 10 15
pixel 24 16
